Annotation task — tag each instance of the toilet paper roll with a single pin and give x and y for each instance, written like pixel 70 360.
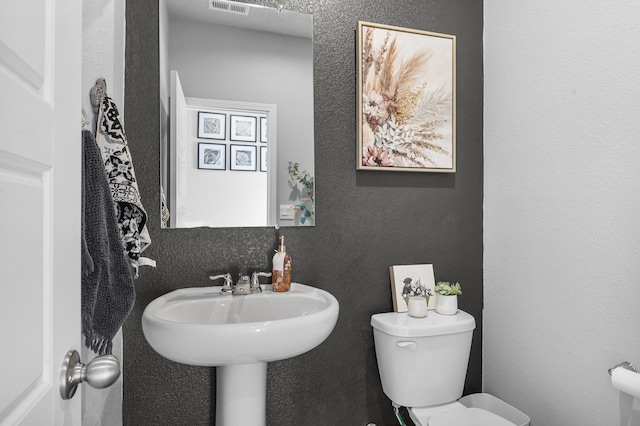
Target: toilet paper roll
pixel 626 381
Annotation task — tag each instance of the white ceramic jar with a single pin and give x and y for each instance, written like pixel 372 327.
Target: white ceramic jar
pixel 417 306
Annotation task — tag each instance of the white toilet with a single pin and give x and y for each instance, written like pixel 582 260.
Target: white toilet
pixel 423 365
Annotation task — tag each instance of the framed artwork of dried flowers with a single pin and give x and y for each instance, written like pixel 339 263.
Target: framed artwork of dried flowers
pixel 406 99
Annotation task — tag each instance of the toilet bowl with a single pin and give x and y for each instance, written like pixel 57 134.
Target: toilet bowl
pixel 423 366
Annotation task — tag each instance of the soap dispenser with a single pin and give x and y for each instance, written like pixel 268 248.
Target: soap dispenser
pixel 281 274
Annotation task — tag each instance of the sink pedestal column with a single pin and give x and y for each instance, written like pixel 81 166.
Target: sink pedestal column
pixel 241 394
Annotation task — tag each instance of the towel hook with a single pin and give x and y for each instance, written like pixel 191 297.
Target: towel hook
pixel 98 92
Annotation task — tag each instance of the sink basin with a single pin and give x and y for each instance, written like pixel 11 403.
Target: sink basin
pixel 239 335
pixel 199 326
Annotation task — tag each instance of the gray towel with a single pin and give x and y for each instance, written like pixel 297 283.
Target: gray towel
pixel 107 285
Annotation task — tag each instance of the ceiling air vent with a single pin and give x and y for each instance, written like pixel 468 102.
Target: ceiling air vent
pixel 229 6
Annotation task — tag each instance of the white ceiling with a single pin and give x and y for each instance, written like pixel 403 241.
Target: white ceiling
pixel 259 18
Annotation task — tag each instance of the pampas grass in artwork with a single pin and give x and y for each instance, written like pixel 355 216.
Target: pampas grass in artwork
pixel 406 102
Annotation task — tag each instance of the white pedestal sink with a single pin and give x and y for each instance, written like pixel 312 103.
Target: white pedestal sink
pixel 239 335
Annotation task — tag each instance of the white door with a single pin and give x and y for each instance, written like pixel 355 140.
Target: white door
pixel 40 160
pixel 178 203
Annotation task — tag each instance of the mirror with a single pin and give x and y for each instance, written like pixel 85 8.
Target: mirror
pixel 236 102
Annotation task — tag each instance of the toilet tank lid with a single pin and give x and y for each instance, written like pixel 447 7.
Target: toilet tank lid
pixel 402 325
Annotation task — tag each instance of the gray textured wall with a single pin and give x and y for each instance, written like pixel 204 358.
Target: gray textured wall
pixel 366 222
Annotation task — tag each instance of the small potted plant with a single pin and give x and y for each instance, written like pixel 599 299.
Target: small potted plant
pixel 447 297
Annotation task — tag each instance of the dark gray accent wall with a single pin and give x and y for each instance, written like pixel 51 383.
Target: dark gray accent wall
pixel 366 221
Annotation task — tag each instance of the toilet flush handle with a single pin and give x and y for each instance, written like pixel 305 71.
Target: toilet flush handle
pixel 409 345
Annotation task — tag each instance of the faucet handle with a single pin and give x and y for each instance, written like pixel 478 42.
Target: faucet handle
pixel 255 281
pixel 226 287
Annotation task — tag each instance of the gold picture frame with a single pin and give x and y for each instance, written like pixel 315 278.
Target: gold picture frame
pixel 406 88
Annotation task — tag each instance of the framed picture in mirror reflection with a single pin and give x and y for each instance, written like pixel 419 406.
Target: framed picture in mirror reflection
pixel 212 156
pixel 263 158
pixel 243 157
pixel 211 125
pixel 243 128
pixel 263 129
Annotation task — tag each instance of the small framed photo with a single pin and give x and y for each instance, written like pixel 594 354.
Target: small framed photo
pixel 263 158
pixel 411 280
pixel 243 128
pixel 243 157
pixel 263 129
pixel 211 125
pixel 212 156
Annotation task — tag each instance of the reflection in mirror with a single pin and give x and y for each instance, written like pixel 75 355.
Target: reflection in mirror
pixel 236 102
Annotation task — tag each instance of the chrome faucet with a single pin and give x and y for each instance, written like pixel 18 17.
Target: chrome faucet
pixel 244 286
pixel 255 281
pixel 228 282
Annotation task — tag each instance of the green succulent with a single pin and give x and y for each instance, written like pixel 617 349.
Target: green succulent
pixel 447 289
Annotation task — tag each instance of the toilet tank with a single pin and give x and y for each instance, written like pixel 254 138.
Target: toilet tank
pixel 422 361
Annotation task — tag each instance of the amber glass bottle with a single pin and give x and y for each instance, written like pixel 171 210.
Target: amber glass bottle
pixel 281 273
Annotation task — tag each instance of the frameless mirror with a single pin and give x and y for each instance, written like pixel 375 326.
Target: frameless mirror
pixel 236 102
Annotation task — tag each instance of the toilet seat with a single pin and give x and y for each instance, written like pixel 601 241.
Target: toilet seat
pixel 468 417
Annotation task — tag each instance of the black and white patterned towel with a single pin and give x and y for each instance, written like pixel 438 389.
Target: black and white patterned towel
pixel 132 217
